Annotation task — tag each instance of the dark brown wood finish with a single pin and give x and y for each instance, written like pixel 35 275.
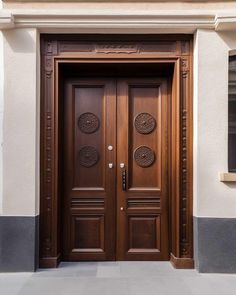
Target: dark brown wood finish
pixel 89 184
pixel 67 49
pixel 142 206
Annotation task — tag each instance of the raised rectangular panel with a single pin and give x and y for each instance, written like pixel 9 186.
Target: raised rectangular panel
pixel 144 233
pixel 158 47
pixel 144 99
pixel 68 47
pixel 88 164
pixel 88 233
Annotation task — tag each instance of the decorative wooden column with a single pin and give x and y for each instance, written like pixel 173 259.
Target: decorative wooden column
pixel 49 223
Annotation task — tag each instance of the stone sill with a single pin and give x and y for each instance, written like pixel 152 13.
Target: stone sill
pixel 228 177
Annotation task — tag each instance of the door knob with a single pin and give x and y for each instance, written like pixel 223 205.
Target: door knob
pixel 110 148
pixel 110 165
pixel 121 208
pixel 122 165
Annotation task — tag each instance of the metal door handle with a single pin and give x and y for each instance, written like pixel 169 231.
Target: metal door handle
pixel 124 180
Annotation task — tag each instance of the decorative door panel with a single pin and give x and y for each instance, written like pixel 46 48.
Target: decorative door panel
pixel 89 188
pixel 144 138
pixel 89 138
pixel 142 229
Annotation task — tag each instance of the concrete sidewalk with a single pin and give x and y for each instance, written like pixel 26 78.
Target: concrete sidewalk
pixel 117 278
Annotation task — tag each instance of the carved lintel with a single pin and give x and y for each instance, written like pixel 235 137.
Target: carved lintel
pixel 116 48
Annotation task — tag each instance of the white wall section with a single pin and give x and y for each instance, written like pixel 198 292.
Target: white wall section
pixel 1 112
pixel 20 161
pixel 212 198
pixel 1 116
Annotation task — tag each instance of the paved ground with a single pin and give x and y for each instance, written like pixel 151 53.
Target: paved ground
pixel 113 278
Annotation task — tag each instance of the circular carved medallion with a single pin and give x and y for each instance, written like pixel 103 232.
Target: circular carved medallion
pixel 144 123
pixel 88 123
pixel 88 156
pixel 144 156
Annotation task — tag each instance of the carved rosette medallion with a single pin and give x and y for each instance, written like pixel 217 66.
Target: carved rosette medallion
pixel 88 123
pixel 144 156
pixel 144 123
pixel 88 156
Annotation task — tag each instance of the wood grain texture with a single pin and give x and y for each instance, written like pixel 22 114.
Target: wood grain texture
pixel 142 232
pixel 88 232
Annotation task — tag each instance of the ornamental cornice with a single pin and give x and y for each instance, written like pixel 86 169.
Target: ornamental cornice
pixel 116 20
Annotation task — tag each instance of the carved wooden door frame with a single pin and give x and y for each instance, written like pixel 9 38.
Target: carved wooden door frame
pixel 57 50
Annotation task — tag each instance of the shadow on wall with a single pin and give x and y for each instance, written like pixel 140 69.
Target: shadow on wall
pixel 231 185
pixel 229 39
pixel 20 40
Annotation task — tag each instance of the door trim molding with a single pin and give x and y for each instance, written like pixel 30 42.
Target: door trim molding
pixel 174 49
pixel 181 263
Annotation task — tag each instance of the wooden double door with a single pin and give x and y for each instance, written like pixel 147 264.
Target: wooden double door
pixel 115 169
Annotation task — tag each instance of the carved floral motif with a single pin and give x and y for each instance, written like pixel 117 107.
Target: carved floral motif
pixel 144 156
pixel 88 123
pixel 144 123
pixel 88 156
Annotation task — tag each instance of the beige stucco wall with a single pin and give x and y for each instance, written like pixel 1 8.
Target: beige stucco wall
pixel 20 129
pixel 212 198
pixel 1 112
pixel 19 94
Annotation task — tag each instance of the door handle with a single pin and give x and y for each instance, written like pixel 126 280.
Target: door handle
pixel 124 180
pixel 123 174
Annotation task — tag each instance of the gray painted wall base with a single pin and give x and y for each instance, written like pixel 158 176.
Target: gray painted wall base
pixel 215 244
pixel 18 243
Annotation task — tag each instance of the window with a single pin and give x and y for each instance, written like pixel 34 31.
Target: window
pixel 232 115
